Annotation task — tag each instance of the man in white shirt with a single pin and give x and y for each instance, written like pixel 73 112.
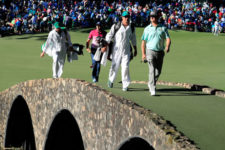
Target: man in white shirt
pixel 121 51
pixel 216 27
pixel 56 47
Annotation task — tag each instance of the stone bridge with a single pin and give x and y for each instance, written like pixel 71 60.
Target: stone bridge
pixel 61 114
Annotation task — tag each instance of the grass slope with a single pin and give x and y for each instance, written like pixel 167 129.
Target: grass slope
pixel 194 58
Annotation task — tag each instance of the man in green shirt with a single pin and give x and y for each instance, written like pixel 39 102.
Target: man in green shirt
pixel 153 46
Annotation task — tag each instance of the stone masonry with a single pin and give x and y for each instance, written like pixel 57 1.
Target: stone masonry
pixel 105 120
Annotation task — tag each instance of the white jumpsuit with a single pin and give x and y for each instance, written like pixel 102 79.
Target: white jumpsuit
pixel 56 48
pixel 121 52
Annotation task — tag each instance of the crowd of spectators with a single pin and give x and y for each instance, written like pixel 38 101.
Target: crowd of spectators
pixel 31 16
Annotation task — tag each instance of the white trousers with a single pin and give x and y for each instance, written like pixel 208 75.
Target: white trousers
pixel 123 60
pixel 216 31
pixel 58 63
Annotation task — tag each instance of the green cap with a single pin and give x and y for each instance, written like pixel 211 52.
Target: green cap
pixel 56 25
pixel 125 13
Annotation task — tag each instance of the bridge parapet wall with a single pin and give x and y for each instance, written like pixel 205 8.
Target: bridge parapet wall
pixel 105 120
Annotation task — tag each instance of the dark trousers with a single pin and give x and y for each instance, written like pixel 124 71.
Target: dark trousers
pixel 96 65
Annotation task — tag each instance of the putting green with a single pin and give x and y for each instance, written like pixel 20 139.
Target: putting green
pixel 194 58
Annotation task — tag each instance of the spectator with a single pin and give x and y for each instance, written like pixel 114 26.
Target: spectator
pixel 178 14
pixel 216 28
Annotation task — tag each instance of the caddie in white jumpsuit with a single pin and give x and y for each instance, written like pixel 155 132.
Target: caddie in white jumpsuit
pixel 121 50
pixel 56 47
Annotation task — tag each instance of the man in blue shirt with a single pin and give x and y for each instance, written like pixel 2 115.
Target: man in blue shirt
pixel 153 46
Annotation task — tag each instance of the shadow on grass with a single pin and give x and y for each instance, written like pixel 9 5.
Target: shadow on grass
pixel 37 37
pixel 179 92
pixel 82 30
pixel 138 89
pixel 171 92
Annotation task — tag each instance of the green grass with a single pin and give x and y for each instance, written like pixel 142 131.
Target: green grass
pixel 194 58
pixel 199 116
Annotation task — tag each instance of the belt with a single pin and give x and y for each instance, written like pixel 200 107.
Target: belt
pixel 157 51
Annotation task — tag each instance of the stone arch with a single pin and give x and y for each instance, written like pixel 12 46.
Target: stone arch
pixel 135 143
pixel 19 131
pixel 64 133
